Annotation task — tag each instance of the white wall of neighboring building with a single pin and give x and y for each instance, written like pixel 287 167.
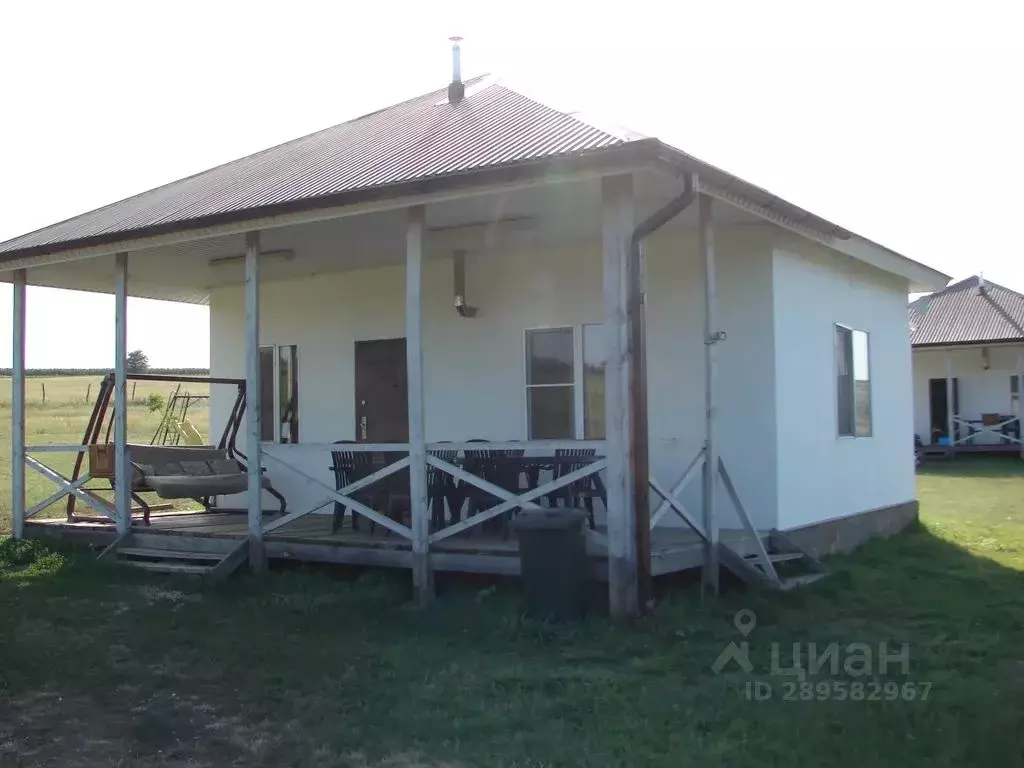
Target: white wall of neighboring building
pixel 474 369
pixel 981 389
pixel 821 475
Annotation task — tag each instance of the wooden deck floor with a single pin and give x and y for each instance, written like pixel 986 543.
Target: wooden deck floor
pixel 310 539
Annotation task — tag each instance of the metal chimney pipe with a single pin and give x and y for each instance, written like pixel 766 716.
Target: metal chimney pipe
pixel 456 89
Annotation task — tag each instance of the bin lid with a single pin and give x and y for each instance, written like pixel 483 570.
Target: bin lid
pixel 534 519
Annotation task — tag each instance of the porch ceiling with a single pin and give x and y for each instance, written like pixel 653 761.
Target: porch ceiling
pixel 540 217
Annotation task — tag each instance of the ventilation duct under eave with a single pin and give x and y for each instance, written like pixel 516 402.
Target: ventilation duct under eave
pixel 459 267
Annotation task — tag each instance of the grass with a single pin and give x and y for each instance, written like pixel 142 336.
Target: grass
pixel 311 668
pixel 61 420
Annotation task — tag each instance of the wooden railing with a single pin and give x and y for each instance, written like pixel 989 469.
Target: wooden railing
pixel 65 486
pixel 507 500
pixel 969 429
pixel 671 501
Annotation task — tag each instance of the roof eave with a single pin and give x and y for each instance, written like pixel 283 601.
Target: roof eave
pixel 760 202
pixel 625 157
pixel 974 343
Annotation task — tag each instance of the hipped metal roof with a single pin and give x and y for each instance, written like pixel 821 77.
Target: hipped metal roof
pixel 494 135
pixel 971 311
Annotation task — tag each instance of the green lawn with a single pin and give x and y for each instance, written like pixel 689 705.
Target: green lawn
pixel 106 667
pixel 61 419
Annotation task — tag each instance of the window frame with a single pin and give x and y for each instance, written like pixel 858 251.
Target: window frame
pixel 853 383
pixel 276 388
pixel 573 384
pixel 577 384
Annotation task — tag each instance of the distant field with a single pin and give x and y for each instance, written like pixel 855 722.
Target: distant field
pixel 61 419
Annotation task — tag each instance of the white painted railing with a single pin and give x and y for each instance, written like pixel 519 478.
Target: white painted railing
pixel 671 501
pixel 509 500
pixel 342 495
pixel 970 429
pixel 65 486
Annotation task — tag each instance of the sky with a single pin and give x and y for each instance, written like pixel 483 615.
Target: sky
pixel 898 120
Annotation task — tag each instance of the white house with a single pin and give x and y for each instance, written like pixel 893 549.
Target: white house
pixel 473 264
pixel 968 343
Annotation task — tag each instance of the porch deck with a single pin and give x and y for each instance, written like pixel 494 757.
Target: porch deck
pixel 309 539
pixel 935 449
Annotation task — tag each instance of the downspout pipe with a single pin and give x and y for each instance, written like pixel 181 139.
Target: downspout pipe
pixel 636 319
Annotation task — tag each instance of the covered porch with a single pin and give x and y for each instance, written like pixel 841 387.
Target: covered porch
pixel 968 398
pixel 428 480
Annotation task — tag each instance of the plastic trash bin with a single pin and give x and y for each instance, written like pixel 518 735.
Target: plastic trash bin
pixel 553 562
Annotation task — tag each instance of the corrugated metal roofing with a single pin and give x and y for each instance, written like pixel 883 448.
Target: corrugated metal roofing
pixel 965 314
pixel 418 139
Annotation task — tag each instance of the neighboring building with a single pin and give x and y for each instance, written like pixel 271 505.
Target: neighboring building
pixel 458 267
pixel 968 342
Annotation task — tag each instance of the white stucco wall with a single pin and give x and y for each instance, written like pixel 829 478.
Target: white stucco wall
pixel 981 390
pixel 474 369
pixel 822 475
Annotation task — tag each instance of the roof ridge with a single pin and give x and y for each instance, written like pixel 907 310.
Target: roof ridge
pixel 972 281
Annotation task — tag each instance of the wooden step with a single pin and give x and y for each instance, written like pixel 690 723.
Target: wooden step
pixel 170 541
pixel 168 554
pixel 164 566
pixel 777 557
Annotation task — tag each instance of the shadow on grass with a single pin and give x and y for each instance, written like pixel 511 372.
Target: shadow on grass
pixel 300 668
pixel 973 465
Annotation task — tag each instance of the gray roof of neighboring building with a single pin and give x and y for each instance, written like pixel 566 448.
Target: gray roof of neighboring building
pixel 969 312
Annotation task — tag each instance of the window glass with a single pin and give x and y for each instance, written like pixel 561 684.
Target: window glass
pixel 861 384
pixel 288 393
pixel 550 391
pixel 593 382
pixel 551 413
pixel 266 361
pixel 549 356
pixel 853 382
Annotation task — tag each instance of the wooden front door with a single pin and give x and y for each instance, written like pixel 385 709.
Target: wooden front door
pixel 382 392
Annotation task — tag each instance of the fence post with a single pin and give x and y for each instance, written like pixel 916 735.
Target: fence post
pixel 88 391
pixel 43 383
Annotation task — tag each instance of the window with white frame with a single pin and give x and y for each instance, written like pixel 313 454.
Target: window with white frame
pixel 550 384
pixel 279 393
pixel 565 383
pixel 853 382
pixel 1015 395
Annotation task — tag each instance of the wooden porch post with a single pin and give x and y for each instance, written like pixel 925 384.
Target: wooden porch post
pixel 949 402
pixel 122 470
pixel 18 408
pixel 257 556
pixel 422 573
pixel 706 243
pixel 617 222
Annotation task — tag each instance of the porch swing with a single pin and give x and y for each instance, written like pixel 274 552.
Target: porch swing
pixel 198 472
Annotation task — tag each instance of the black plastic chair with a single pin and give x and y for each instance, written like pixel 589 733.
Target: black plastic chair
pixel 505 474
pixel 468 496
pixel 582 491
pixel 441 488
pixel 348 467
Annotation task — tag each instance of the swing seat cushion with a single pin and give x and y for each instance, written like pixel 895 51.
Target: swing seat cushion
pixel 179 472
pixel 191 487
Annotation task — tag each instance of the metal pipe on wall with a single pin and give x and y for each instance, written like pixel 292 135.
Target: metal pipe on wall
pixel 637 323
